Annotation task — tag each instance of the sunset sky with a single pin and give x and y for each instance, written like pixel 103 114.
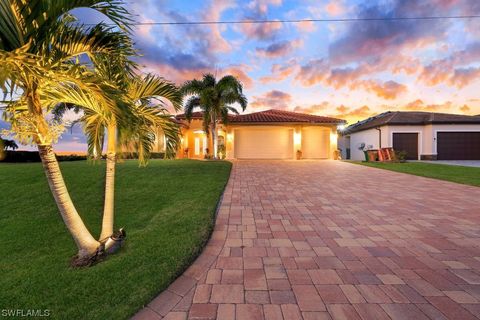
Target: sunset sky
pixel 350 70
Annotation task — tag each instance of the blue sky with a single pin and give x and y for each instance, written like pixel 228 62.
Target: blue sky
pixel 350 70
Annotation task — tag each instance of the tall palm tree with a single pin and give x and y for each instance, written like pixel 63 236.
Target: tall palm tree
pixel 40 46
pixel 215 99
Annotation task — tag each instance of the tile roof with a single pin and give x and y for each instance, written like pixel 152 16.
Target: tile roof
pixel 195 115
pixel 411 118
pixel 274 115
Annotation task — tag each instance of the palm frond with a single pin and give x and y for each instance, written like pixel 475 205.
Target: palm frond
pixel 154 87
pixel 190 105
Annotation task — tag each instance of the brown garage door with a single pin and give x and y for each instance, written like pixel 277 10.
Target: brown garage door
pixel 407 142
pixel 458 145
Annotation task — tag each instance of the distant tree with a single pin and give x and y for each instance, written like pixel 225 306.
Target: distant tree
pixel 215 99
pixel 9 144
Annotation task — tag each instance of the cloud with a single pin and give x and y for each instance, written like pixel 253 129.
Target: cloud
pixel 464 76
pixel 279 49
pixel 354 114
pixel 335 8
pixel 274 99
pixel 280 72
pixel 366 41
pixel 257 10
pixel 213 13
pixel 454 70
pixel 313 108
pixel 306 26
pixel 465 108
pixel 240 72
pixel 313 72
pixel 388 90
pixel 419 105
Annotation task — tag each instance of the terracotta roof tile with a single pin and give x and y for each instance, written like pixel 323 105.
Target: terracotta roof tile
pixel 195 115
pixel 272 115
pixel 275 115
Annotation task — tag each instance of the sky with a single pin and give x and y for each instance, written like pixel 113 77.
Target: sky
pixel 349 70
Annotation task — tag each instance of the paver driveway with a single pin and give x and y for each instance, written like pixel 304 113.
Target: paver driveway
pixel 325 239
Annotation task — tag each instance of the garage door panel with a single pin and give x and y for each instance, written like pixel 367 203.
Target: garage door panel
pixel 270 143
pixel 408 142
pixel 315 143
pixel 458 145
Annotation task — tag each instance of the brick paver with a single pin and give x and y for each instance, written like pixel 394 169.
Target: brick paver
pixel 332 240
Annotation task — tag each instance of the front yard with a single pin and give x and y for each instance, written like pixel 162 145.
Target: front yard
pixel 166 208
pixel 459 174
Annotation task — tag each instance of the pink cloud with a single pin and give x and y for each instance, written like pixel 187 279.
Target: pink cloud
pixel 261 31
pixel 212 13
pixel 274 99
pixel 313 72
pixel 388 90
pixel 306 26
pixel 419 105
pixel 279 49
pixel 313 108
pixel 280 72
pixel 335 8
pixel 464 76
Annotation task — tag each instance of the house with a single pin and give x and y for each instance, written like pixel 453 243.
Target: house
pixel 423 135
pixel 271 134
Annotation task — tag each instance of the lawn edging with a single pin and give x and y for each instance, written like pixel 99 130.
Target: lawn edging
pixel 456 174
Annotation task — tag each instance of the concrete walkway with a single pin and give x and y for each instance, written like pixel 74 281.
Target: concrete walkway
pixel 333 240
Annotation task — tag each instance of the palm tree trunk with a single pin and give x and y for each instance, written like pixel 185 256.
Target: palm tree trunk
pixel 215 140
pixel 213 129
pixel 108 208
pixel 86 244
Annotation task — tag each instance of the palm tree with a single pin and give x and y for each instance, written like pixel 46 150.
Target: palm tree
pixel 40 46
pixel 215 100
pixel 141 109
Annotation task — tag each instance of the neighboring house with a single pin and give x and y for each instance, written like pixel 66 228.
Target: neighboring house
pixel 271 134
pixel 423 135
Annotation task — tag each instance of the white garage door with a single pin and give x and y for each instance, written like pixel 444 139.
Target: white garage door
pixel 265 143
pixel 315 143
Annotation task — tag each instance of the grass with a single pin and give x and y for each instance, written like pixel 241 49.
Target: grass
pixel 459 174
pixel 166 208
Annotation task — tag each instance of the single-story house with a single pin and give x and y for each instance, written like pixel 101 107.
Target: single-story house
pixel 423 135
pixel 271 134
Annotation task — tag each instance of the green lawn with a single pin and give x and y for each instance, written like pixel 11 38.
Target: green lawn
pixel 166 208
pixel 459 174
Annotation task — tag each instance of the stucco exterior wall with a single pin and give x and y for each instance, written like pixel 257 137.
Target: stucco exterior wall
pixel 297 136
pixel 369 137
pixel 427 136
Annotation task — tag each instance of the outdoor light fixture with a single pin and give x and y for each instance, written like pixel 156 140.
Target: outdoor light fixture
pixel 198 131
pixel 341 127
pixel 297 138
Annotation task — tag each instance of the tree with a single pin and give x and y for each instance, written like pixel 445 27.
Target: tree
pixel 141 108
pixel 215 100
pixel 8 144
pixel 40 48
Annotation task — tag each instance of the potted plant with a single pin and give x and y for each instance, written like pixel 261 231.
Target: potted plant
pixel 299 154
pixel 221 151
pixel 401 156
